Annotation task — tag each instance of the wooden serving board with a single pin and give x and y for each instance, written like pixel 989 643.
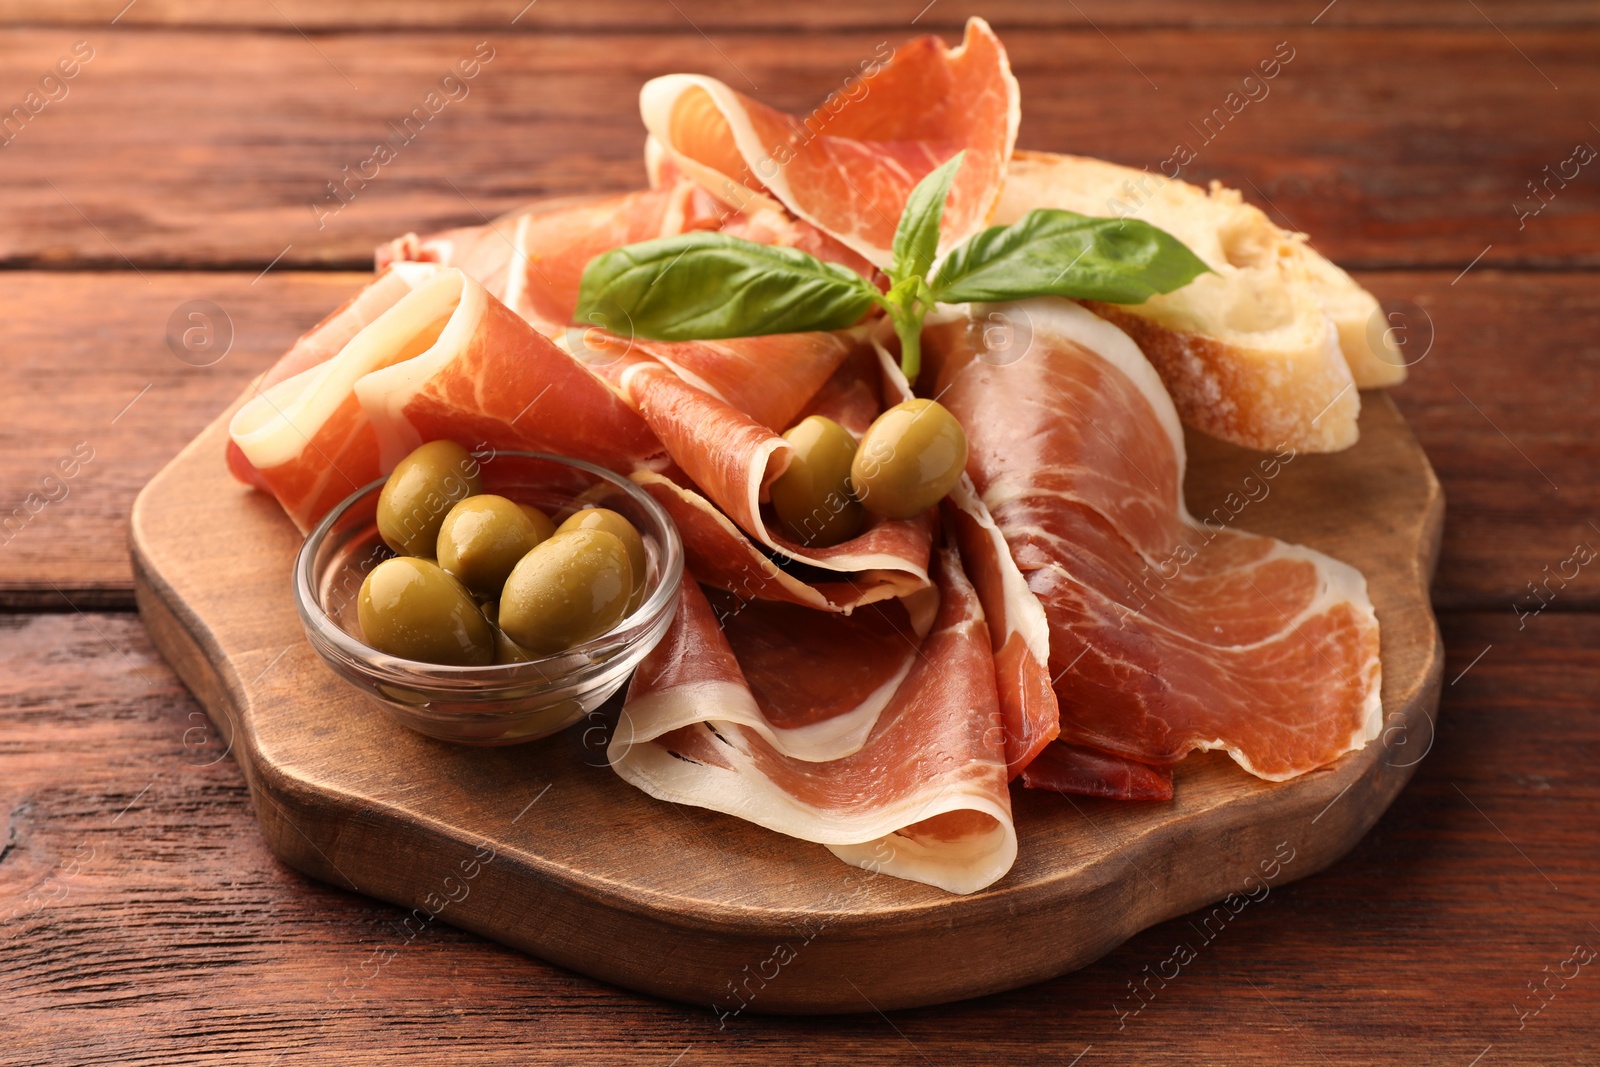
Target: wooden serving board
pixel 542 847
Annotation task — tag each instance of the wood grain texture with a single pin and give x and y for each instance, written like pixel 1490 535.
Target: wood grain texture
pixel 1367 140
pixel 1520 346
pixel 1503 401
pixel 593 874
pixel 88 366
pixel 183 941
pixel 683 15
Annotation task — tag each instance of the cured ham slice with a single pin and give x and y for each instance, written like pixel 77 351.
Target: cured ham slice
pixel 924 797
pixel 534 259
pixel 715 408
pixel 850 396
pixel 447 360
pixel 849 166
pixel 492 379
pixel 770 380
pixel 730 455
pixel 777 691
pixel 771 226
pixel 482 252
pixel 721 555
pixel 327 338
pixel 551 249
pixel 1075 769
pixel 1017 624
pixel 1166 636
pixel 813 714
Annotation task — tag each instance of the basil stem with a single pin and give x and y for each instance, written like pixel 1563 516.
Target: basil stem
pixel 916 246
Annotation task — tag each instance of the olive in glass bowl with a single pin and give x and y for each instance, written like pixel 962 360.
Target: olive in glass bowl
pixel 512 699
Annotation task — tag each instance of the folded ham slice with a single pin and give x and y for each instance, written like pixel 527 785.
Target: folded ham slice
pixel 717 408
pixel 1165 636
pixel 1068 768
pixel 720 554
pixel 534 259
pixel 1016 619
pixel 802 712
pixel 447 360
pixel 849 166
pixel 327 338
pixel 769 380
pixel 482 252
pixel 1017 623
pixel 924 795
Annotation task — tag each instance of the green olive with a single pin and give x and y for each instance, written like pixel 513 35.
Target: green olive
pixel 812 496
pixel 909 458
pixel 569 589
pixel 420 490
pixel 507 650
pixel 482 538
pixel 620 528
pixel 410 607
pixel 541 522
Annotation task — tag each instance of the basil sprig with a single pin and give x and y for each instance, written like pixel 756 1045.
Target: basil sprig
pixel 707 285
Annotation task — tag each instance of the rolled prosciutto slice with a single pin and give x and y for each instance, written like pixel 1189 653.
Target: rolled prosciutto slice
pixel 779 693
pixel 923 797
pixel 848 167
pixel 447 360
pixel 1165 636
pixel 327 338
pixel 717 408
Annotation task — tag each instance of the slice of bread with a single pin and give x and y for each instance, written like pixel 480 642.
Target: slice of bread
pixel 1364 335
pixel 1268 351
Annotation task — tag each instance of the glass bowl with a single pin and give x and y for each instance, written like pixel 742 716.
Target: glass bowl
pixel 502 704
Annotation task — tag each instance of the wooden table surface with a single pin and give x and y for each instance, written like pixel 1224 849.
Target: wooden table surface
pixel 142 919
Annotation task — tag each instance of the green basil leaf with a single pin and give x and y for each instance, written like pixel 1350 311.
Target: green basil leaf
pixel 1060 253
pixel 916 239
pixel 704 286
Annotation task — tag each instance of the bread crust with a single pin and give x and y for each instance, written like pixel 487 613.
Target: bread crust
pixel 1269 351
pixel 1260 400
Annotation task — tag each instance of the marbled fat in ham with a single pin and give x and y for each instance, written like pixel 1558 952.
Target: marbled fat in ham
pixel 1240 642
